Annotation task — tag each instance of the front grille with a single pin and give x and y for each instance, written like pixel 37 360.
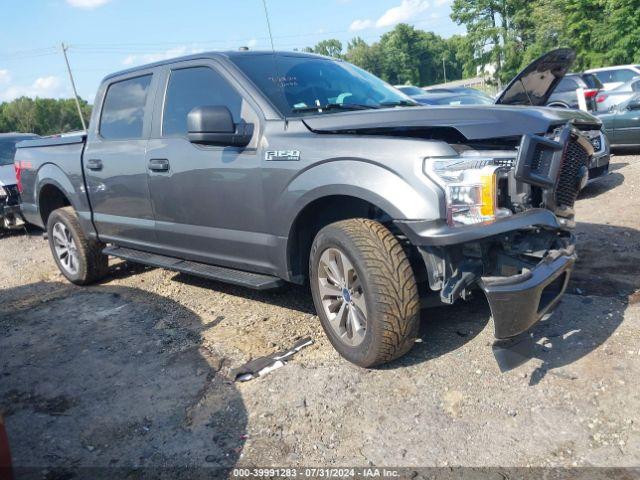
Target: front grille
pixel 568 186
pixel 541 161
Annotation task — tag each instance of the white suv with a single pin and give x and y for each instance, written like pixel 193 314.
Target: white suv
pixel 612 77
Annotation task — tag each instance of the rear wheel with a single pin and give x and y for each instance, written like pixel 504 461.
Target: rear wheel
pixel 364 291
pixel 78 257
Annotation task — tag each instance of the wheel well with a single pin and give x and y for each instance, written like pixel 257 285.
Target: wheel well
pixel 51 198
pixel 319 214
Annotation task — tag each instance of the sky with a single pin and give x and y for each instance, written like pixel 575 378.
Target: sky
pixel 106 36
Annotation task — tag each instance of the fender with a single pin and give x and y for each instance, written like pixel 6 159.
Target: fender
pixel 50 174
pixel 359 178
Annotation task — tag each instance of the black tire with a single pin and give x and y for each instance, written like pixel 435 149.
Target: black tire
pixel 389 286
pixel 92 265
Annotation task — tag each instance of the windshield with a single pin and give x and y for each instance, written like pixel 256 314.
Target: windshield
pixel 304 84
pixel 7 151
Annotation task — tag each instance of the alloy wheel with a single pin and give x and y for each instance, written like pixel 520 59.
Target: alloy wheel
pixel 65 248
pixel 342 296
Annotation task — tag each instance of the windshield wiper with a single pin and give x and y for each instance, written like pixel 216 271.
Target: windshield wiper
pixel 400 103
pixel 334 106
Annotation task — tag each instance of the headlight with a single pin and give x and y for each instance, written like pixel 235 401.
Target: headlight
pixel 470 185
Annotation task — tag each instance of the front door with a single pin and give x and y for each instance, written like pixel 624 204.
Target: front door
pixel 627 125
pixel 115 167
pixel 207 200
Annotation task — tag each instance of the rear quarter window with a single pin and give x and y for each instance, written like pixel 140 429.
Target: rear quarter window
pixel 124 108
pixel 592 81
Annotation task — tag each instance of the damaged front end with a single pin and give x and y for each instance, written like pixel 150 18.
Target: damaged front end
pixel 507 228
pixel 10 216
pixel 523 274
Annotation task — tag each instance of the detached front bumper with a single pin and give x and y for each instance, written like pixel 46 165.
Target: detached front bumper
pixel 519 301
pixel 522 263
pixel 10 216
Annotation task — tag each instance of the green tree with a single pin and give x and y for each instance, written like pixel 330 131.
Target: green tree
pixel 621 38
pixel 44 116
pixel 329 48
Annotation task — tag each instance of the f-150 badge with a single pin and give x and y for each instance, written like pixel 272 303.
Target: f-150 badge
pixel 282 155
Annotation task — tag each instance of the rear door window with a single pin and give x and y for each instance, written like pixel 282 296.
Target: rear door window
pixel 616 76
pixel 567 84
pixel 196 87
pixel 124 108
pixel 591 81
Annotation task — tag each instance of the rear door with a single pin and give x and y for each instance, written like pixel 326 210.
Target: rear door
pixel 207 200
pixel 114 161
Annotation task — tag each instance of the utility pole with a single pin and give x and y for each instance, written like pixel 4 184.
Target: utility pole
pixel 73 85
pixel 444 69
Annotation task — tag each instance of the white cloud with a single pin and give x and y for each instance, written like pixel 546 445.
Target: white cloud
pixel 132 60
pixel 43 87
pixel 442 2
pixel 5 77
pixel 252 43
pixel 360 25
pixel 402 13
pixel 87 4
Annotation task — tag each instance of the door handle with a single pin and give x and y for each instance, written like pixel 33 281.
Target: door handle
pixel 159 165
pixel 94 164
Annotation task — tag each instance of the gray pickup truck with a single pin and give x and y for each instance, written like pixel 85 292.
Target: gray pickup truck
pixel 261 168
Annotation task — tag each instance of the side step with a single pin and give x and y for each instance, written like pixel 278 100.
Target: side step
pixel 256 281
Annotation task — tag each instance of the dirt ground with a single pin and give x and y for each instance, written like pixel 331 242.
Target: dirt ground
pixel 134 372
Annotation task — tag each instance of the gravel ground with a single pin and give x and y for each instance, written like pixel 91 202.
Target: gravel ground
pixel 135 371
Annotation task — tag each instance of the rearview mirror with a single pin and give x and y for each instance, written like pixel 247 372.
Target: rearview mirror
pixel 213 125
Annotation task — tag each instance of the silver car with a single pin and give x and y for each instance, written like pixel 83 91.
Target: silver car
pixel 608 99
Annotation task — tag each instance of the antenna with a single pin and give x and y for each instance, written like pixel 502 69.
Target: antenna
pixel 73 85
pixel 266 14
pixel 279 80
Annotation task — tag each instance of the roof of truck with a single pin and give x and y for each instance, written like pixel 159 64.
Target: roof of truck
pixel 223 54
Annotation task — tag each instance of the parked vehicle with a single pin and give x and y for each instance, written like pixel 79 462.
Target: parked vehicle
pixel 622 122
pixel 9 198
pixel 446 96
pixel 610 98
pixel 613 77
pixel 565 95
pixel 217 166
pixel 540 79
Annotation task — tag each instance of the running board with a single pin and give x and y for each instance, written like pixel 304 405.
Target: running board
pixel 256 281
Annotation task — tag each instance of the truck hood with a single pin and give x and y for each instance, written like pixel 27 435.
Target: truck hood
pixel 535 84
pixel 7 175
pixel 474 122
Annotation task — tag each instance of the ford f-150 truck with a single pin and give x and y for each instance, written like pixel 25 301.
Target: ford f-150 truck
pixel 263 168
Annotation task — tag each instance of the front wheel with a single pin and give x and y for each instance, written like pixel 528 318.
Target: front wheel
pixel 78 257
pixel 364 291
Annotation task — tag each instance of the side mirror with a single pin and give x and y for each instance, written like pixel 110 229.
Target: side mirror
pixel 213 125
pixel 634 105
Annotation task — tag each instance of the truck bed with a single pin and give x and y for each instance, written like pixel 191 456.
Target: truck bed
pixel 52 162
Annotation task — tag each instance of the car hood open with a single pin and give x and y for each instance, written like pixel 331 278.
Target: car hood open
pixel 535 84
pixel 474 122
